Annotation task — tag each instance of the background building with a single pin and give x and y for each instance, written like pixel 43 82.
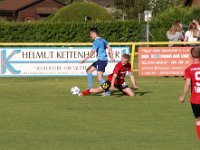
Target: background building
pixel 28 10
pixel 191 2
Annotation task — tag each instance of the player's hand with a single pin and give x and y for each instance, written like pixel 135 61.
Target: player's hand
pixel 136 87
pixel 112 88
pixel 112 60
pixel 82 61
pixel 182 99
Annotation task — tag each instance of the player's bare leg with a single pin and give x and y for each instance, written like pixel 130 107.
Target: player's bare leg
pixel 96 90
pixel 90 69
pixel 91 91
pixel 89 75
pixel 99 77
pixel 198 127
pixel 128 91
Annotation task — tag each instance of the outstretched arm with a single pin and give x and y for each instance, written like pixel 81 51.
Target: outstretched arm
pixel 185 90
pixel 113 82
pixel 110 52
pixel 88 57
pixel 132 78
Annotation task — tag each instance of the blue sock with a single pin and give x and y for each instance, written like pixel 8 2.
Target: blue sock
pixel 101 81
pixel 107 91
pixel 89 76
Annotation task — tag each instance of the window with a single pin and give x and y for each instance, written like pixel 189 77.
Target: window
pixel 28 19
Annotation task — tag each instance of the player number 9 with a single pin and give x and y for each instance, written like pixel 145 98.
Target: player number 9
pixel 197 77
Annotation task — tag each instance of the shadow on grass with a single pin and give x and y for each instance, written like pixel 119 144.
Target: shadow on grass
pixel 142 93
pixel 139 93
pixel 118 93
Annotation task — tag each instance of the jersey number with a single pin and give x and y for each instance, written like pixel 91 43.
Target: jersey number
pixel 197 78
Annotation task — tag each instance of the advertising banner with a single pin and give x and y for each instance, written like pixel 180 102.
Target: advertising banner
pixel 163 61
pixel 50 61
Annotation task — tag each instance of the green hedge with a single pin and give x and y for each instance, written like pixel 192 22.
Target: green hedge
pixel 162 22
pixel 68 32
pixel 77 11
pixel 113 31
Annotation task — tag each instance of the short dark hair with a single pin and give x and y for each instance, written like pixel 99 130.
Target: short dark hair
pixel 94 30
pixel 126 56
pixel 178 21
pixel 195 52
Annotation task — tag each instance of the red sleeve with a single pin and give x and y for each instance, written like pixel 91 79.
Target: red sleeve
pixel 116 69
pixel 187 74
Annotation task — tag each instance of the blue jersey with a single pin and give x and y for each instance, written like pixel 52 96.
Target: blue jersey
pixel 100 45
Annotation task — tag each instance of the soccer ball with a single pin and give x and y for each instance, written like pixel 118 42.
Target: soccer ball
pixel 75 90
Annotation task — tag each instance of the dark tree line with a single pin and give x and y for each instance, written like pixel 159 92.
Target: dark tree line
pixel 131 8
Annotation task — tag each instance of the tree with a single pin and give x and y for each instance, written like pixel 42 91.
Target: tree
pixel 77 12
pixel 133 7
pixel 187 2
pixel 159 5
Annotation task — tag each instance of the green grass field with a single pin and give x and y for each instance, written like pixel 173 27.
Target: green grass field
pixel 41 114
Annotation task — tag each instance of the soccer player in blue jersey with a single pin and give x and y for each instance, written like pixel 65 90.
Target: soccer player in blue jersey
pixel 99 46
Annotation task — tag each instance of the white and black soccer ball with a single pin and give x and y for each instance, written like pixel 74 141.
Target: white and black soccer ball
pixel 75 90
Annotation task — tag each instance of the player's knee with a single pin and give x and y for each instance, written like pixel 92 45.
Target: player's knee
pixel 129 92
pixel 99 78
pixel 88 70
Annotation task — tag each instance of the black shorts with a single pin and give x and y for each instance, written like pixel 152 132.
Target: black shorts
pixel 121 87
pixel 100 65
pixel 196 110
pixel 106 85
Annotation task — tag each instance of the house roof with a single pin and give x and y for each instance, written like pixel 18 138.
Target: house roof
pixel 46 10
pixel 14 5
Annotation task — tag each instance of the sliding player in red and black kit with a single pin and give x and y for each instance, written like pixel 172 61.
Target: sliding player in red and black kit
pixel 192 79
pixel 116 80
